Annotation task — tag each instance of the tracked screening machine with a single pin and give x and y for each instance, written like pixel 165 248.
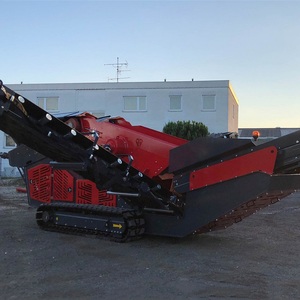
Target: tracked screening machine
pixel 106 177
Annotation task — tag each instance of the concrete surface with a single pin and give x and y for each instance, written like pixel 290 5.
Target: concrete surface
pixel 255 259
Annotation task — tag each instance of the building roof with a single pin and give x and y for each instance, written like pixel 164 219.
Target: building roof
pixel 122 85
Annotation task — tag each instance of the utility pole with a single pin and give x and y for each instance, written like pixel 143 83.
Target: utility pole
pixel 118 67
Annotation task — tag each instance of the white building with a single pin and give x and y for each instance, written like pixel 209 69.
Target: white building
pixel 151 104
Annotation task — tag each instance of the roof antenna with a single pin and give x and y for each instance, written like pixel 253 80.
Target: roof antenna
pixel 118 67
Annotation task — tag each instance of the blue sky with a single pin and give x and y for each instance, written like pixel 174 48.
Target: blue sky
pixel 254 44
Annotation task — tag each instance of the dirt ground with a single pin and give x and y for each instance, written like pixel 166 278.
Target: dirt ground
pixel 255 259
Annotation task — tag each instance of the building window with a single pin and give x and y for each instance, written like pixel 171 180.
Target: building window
pixel 9 142
pixel 48 103
pixel 175 103
pixel 135 103
pixel 208 102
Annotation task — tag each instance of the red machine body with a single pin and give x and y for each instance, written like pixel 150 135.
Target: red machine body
pixel 149 148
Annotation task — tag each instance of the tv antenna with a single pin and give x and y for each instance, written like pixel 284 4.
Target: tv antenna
pixel 118 67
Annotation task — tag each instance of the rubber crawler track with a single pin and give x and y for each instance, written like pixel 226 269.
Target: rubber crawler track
pixel 134 222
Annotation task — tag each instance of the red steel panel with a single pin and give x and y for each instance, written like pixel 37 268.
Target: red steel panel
pixel 87 193
pixel 258 161
pixel 63 186
pixel 39 179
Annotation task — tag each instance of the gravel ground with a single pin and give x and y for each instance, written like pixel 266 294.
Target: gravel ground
pixel 255 259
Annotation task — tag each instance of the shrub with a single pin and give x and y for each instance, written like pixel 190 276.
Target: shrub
pixel 188 130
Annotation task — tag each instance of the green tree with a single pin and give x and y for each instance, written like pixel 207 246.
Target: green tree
pixel 188 130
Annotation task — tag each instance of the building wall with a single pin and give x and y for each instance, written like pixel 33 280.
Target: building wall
pixel 233 111
pixel 108 99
